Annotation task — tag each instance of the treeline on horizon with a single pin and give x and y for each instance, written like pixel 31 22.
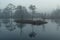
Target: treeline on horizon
pixel 17 12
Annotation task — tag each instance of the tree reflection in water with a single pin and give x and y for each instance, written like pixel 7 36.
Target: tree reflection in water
pixel 0 25
pixel 58 26
pixel 32 34
pixel 57 21
pixel 5 21
pixel 43 26
pixel 10 26
pixel 20 26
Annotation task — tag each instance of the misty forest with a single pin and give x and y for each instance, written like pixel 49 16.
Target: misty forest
pixel 17 12
pixel 26 23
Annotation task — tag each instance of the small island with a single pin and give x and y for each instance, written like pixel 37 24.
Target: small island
pixel 34 22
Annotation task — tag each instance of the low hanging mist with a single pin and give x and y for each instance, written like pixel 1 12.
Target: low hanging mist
pixel 12 11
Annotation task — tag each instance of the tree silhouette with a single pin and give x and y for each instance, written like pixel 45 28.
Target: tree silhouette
pixel 21 13
pixel 32 7
pixel 7 12
pixel 11 8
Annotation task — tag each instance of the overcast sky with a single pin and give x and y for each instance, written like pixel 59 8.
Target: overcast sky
pixel 42 5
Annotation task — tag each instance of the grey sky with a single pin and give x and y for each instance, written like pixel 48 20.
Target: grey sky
pixel 42 5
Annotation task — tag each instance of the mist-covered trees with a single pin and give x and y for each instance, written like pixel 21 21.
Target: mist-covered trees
pixel 56 14
pixel 8 11
pixel 21 13
pixel 32 8
pixel 11 11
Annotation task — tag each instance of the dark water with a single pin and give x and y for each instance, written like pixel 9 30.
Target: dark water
pixel 10 30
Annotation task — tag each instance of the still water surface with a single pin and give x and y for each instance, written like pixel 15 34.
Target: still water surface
pixel 10 30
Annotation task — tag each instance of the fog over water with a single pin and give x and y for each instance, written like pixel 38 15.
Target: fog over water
pixel 29 19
